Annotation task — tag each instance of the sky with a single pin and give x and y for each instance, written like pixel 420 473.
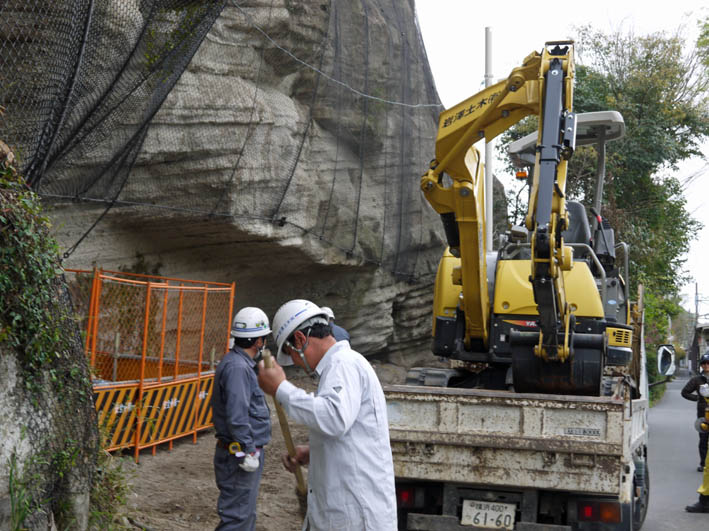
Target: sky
pixel 455 29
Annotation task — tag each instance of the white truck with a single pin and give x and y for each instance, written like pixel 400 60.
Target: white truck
pixel 484 459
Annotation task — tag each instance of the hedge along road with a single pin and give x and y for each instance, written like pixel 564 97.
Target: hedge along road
pixel 673 460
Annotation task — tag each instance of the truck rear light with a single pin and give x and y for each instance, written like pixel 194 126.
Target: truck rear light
pixel 599 511
pixel 610 512
pixel 588 511
pixel 408 497
pixel 405 497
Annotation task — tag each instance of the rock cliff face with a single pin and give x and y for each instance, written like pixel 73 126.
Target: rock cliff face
pixel 287 159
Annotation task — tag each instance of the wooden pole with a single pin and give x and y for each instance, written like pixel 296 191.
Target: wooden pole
pixel 300 487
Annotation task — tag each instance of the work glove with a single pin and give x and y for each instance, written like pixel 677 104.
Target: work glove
pixel 250 462
pixel 704 390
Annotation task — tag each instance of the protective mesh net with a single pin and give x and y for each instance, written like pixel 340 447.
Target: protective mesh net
pixel 336 95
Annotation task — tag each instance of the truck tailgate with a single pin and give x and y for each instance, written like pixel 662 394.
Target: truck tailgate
pixel 503 439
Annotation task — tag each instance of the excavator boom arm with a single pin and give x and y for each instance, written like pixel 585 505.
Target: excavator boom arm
pixel 543 86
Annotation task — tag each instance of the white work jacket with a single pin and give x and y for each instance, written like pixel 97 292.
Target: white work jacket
pixel 351 473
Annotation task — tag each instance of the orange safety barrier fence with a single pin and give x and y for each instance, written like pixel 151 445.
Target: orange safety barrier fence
pixel 152 343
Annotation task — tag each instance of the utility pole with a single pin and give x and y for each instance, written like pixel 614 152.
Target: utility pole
pixel 695 362
pixel 488 148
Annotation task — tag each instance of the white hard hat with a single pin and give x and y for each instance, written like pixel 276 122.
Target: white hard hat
pixel 328 311
pixel 250 322
pixel 290 317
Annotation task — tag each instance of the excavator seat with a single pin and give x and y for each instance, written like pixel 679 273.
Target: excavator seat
pixel 579 230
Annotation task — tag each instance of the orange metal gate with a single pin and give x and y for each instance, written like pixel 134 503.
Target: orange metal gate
pixel 152 343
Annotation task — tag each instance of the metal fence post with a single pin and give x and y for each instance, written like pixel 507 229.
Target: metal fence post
pixel 139 416
pixel 179 330
pixel 117 344
pixel 162 333
pixel 199 362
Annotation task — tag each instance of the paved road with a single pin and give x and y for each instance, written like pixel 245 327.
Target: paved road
pixel 673 459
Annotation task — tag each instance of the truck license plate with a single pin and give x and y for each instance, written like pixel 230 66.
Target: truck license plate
pixel 488 514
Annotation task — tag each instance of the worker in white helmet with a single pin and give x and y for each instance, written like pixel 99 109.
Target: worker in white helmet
pixel 339 333
pixel 351 472
pixel 242 422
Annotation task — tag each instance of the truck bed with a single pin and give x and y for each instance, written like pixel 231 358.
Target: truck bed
pixel 505 439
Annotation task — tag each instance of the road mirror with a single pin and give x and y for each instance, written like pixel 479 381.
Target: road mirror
pixel 666 360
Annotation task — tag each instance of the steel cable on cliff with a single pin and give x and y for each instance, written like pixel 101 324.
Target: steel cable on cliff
pixel 138 139
pixel 249 129
pixel 402 188
pixel 305 131
pixel 304 230
pixel 83 132
pixel 365 113
pixel 386 181
pixel 34 178
pixel 338 105
pixel 134 144
pixel 329 78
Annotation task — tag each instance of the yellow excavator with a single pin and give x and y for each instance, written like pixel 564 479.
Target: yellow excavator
pixel 549 311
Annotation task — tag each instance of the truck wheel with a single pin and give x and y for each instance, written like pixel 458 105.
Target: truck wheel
pixel 640 503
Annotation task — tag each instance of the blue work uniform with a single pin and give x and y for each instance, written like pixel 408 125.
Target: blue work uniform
pixel 240 414
pixel 339 333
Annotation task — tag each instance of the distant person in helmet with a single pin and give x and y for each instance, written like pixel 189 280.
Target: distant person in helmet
pixel 339 333
pixel 351 472
pixel 691 392
pixel 242 422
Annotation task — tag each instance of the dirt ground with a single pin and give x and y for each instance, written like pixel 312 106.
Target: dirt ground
pixel 175 489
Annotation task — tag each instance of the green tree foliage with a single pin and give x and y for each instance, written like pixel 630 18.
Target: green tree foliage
pixel 661 90
pixel 703 41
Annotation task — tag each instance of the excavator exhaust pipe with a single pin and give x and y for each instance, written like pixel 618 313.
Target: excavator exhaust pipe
pixel 580 374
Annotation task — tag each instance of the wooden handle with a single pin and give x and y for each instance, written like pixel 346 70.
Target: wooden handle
pixel 285 429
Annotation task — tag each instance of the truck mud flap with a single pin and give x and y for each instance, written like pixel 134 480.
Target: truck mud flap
pixel 435 522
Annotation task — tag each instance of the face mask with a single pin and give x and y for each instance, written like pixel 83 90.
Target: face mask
pixel 259 353
pixel 301 353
